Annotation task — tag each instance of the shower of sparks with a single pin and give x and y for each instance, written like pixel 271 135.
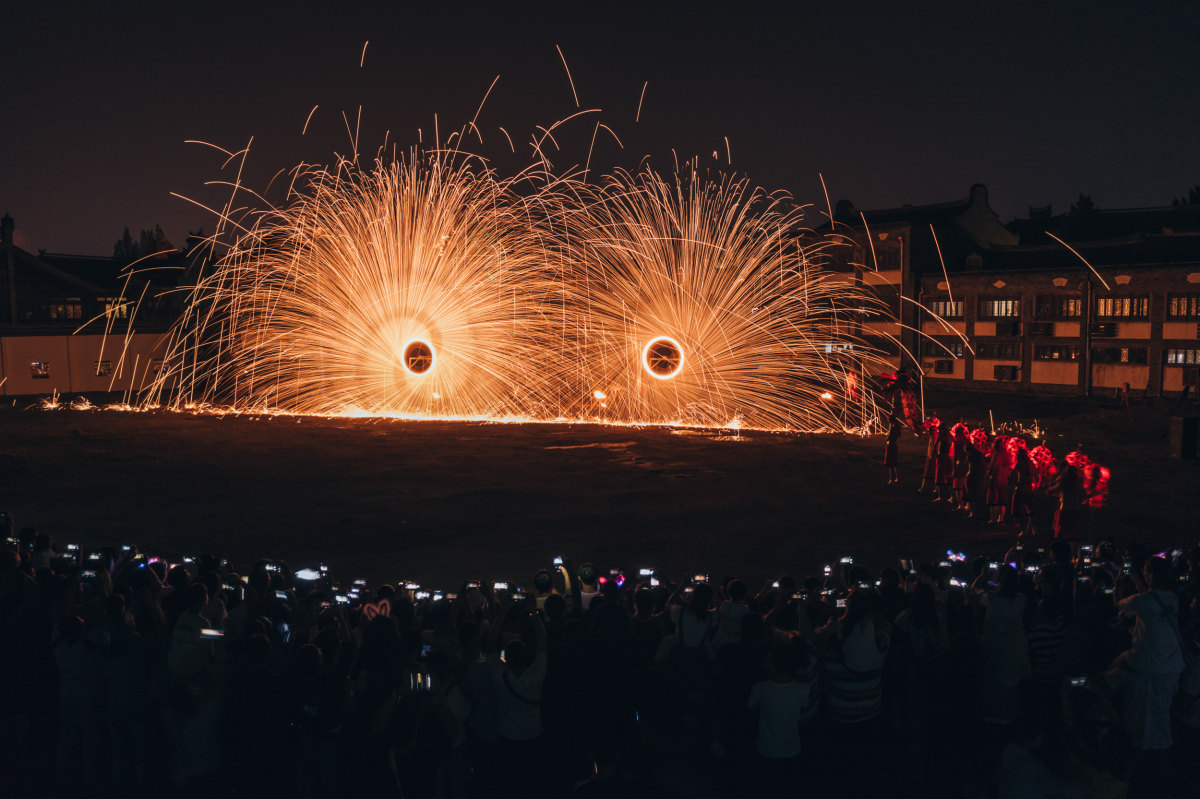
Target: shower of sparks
pixel 429 287
pixel 315 309
pixel 689 300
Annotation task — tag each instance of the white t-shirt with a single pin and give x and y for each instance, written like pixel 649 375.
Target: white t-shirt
pixel 780 705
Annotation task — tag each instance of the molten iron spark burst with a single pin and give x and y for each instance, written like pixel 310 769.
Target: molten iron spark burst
pixel 427 286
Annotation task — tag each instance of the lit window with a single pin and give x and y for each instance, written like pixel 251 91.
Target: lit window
pixel 946 309
pixel 1183 357
pixel 1056 352
pixel 1121 355
pixel 70 308
pixel 1055 307
pixel 103 368
pixel 39 370
pixel 115 307
pixel 1183 306
pixel 1123 307
pixel 992 308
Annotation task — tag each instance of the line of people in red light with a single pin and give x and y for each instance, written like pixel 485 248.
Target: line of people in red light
pixel 977 470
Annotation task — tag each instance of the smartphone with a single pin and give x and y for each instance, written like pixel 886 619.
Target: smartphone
pixel 558 560
pixel 87 575
pixel 360 582
pixel 654 583
pixel 323 568
pixel 211 633
pixel 341 599
pixel 1085 549
pixel 1079 682
pixel 956 583
pixel 645 572
pixel 841 603
pixel 994 565
pixel 847 559
pixel 499 586
pixel 411 586
pixel 699 578
pixel 944 564
pixel 799 596
pixel 476 584
pixel 281 595
pixel 828 570
pixel 1031 569
pixel 423 595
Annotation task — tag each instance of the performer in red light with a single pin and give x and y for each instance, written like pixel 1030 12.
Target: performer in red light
pixel 976 472
pixel 997 480
pixel 898 390
pixel 1068 487
pixel 929 475
pixel 960 448
pixel 891 450
pixel 943 472
pixel 1021 480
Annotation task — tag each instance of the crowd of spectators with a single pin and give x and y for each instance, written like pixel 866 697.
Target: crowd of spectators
pixel 1062 672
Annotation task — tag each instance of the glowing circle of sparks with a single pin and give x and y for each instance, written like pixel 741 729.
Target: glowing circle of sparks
pixel 419 357
pixel 662 357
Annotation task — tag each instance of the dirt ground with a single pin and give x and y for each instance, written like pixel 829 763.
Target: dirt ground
pixel 442 501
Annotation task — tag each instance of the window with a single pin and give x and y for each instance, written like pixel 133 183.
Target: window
pixel 1123 307
pixel 1054 307
pixel 886 258
pixel 992 308
pixel 1125 355
pixel 103 368
pixel 999 350
pixel 1056 352
pixel 942 347
pixel 1177 357
pixel 114 307
pixel 39 370
pixel 838 346
pixel 1183 306
pixel 946 309
pixel 70 308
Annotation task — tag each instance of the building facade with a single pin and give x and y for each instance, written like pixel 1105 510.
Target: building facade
pixel 72 324
pixel 1084 303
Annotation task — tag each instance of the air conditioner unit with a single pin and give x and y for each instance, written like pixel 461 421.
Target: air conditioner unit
pixel 1004 372
pixel 943 367
pixel 1104 330
pixel 1009 329
pixel 1041 329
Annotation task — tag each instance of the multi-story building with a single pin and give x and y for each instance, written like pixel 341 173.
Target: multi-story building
pixel 1078 303
pixel 72 324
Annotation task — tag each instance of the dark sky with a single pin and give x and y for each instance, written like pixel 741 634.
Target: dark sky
pixel 893 102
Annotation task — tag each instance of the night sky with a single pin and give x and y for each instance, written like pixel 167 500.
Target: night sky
pixel 893 102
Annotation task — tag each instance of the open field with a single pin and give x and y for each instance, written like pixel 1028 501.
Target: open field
pixel 440 501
